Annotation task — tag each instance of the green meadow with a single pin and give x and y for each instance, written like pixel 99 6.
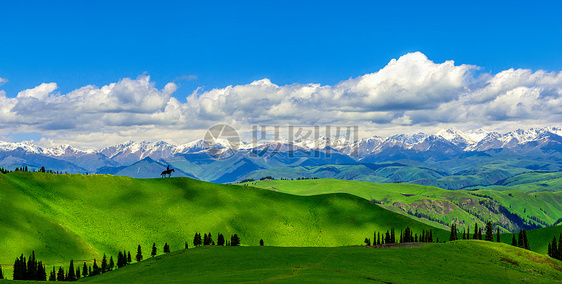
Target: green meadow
pixel 81 217
pixel 455 262
pixel 436 206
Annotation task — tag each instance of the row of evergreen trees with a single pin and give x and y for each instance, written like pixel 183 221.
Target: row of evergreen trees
pixel 208 240
pixel 521 241
pixel 25 169
pixel 406 236
pixel 555 248
pixel 32 269
pixel 477 233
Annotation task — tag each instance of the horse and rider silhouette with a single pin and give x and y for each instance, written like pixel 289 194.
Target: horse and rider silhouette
pixel 168 172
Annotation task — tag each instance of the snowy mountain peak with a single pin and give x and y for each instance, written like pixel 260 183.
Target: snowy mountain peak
pixel 409 139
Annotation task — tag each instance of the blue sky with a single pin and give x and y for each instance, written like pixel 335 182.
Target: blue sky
pixel 214 44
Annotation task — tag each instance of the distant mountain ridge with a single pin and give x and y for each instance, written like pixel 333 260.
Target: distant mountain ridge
pixel 193 160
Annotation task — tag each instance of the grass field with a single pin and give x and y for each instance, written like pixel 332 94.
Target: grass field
pixel 445 206
pixel 538 238
pixel 459 262
pixel 80 217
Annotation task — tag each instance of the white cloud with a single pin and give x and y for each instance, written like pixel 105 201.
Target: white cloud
pixel 3 81
pixel 411 92
pixel 40 92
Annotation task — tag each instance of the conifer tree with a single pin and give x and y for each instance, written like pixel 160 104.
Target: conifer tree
pixel 41 272
pixel 60 274
pixel 71 276
pixel 475 236
pixel 78 276
pixel 234 240
pixel 153 250
pixel 95 269
pixel 464 234
pixel 513 241
pixel 139 253
pixel 220 240
pixel 90 271
pixel 111 264
pixel 120 260
pixel 558 252
pixel 85 270
pixel 480 233
pixel 387 237
pixel 520 241
pixel 104 264
pixel 129 259
pixel 20 269
pixel 498 234
pixel 1 275
pixel 367 242
pixel 31 267
pixel 392 236
pixel 197 240
pixel 166 248
pixel 53 275
pixel 489 231
pixel 526 241
pixel 261 242
pixel 555 249
pixel 454 236
pixel 186 245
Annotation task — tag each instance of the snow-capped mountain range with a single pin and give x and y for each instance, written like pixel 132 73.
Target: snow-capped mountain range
pixel 443 144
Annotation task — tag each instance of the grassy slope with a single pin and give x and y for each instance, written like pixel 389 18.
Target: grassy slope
pixel 445 205
pixel 78 217
pixel 462 261
pixel 547 182
pixel 538 238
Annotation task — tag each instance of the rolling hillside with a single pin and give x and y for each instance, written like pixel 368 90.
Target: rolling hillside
pixel 461 261
pixel 81 217
pixel 510 209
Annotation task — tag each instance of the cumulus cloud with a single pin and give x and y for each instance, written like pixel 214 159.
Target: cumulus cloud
pixel 411 91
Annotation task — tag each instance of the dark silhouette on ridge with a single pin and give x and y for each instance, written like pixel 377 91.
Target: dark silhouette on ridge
pixel 168 172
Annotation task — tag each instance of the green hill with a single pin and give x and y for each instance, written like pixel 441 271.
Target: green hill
pixel 510 209
pixel 531 182
pixel 81 217
pixel 460 262
pixel 381 172
pixel 538 238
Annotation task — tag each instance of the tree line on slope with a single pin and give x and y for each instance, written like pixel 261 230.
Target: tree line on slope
pixel 555 248
pixel 25 169
pixel 406 236
pixel 32 269
pixel 521 242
